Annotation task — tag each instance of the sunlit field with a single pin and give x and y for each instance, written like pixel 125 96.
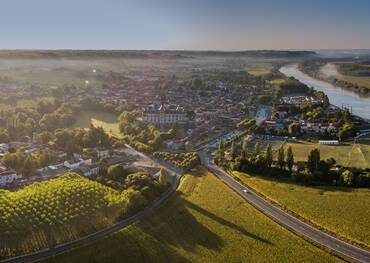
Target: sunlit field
pixel 347 154
pixel 341 210
pixel 108 121
pixel 204 221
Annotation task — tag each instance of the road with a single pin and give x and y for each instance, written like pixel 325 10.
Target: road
pixel 104 232
pixel 289 221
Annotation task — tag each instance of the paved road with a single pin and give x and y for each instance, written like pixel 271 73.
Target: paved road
pixel 293 223
pixel 102 233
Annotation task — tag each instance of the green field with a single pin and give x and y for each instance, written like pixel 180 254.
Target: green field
pixel 349 72
pixel 54 211
pixel 204 221
pixel 341 210
pixel 347 154
pixel 106 120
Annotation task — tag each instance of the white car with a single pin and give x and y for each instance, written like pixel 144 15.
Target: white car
pixel 245 191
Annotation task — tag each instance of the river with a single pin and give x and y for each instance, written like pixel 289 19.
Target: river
pixel 337 95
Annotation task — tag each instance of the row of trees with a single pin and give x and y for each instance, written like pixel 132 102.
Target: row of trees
pixel 314 171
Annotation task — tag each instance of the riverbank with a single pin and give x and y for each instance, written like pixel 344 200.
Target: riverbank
pixel 338 96
pixel 329 72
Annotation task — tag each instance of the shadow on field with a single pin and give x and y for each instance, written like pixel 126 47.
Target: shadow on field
pixel 225 222
pixel 292 183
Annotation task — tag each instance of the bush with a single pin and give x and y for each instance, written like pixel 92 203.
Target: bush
pixel 346 178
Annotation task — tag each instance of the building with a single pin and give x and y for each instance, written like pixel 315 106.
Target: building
pixel 329 142
pixel 165 114
pixel 74 164
pixel 7 176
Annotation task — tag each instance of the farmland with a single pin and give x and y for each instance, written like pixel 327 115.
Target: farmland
pixel 203 222
pixel 337 209
pixel 54 211
pixel 347 154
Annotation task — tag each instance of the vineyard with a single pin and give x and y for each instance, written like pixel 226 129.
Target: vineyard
pixel 180 160
pixel 47 213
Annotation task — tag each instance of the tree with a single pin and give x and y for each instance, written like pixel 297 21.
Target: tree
pixel 347 178
pixel 257 148
pixel 293 129
pixel 290 158
pixel 245 149
pixel 45 137
pixel 116 171
pixel 28 168
pixel 233 150
pixel 281 157
pixel 4 136
pixel 313 160
pixel 221 151
pixel 162 176
pixel 269 156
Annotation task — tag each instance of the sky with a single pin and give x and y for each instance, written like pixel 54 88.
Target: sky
pixel 187 24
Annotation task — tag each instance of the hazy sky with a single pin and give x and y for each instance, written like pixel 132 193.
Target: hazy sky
pixel 188 24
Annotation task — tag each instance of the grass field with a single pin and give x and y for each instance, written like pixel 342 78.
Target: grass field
pixel 353 155
pixel 204 221
pixel 361 81
pixel 58 210
pixel 259 69
pixel 98 118
pixel 341 210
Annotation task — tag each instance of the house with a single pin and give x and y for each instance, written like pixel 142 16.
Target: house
pixel 102 152
pixel 175 145
pixel 7 177
pixel 74 164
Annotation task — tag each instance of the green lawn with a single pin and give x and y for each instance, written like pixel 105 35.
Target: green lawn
pixel 341 210
pixel 204 221
pixel 98 118
pixel 346 154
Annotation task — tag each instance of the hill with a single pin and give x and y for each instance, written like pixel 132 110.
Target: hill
pixel 150 53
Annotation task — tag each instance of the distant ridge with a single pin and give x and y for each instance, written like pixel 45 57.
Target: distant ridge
pixel 150 53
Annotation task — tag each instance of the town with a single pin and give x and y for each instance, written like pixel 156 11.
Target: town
pixel 128 139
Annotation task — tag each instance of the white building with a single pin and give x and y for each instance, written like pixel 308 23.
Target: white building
pixel 7 177
pixel 164 114
pixel 329 142
pixel 76 163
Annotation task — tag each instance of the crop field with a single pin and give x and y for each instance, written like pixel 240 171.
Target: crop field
pixel 204 221
pixel 44 214
pixel 347 154
pixel 341 210
pixel 106 120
